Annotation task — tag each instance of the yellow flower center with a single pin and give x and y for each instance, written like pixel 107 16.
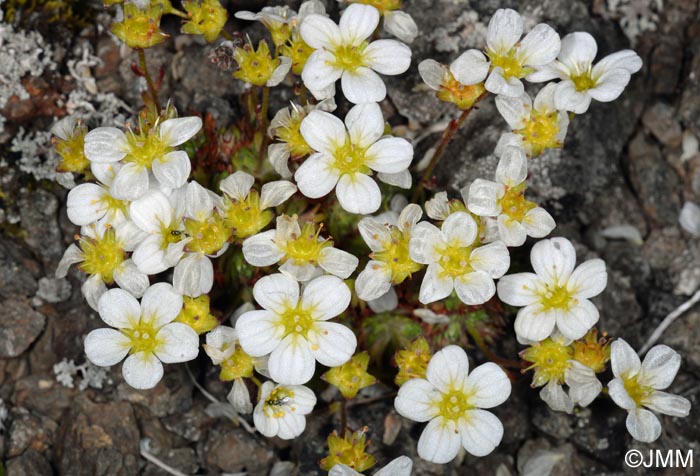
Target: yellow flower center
pixel 145 148
pixel 349 57
pixel 382 5
pixel 72 152
pixel 510 62
pixel 549 359
pixel 255 67
pixel 299 52
pixel 208 236
pixel 143 337
pixel 238 365
pixel 636 389
pixel 592 351
pixel 103 256
pixel 170 234
pixel 583 78
pixel 305 248
pixel 454 404
pixel 206 19
pixel 246 218
pixel 296 321
pixel 276 402
pixel 396 256
pixel 514 204
pixel 455 260
pixel 540 132
pixel 457 93
pixel 140 28
pixel 195 313
pixel 350 158
pixel 556 297
pixel 291 135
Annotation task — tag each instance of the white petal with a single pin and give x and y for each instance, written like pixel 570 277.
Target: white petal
pixel 518 289
pixel 178 343
pixel 93 289
pixel 578 49
pixel 623 359
pixel 130 183
pixel 584 386
pixel 273 194
pixel 390 155
pixel 588 279
pixel 365 124
pixel 610 85
pixel 416 400
pixel 142 370
pixel 553 260
pixel 619 395
pixel 358 193
pixel 292 362
pixel 515 110
pixel 259 332
pixel 64 127
pixel 660 366
pixel 173 169
pixel 71 256
pixel 319 31
pixel 119 309
pixel 338 262
pixel 278 155
pixel 357 23
pixel 291 426
pixel 544 101
pixel 553 394
pixel 316 177
pixel 510 231
pixel 533 324
pixel 496 83
pixel 362 85
pixel 85 204
pixel 567 98
pixel 385 303
pixel 438 207
pixel 161 304
pixel 540 46
pixel 179 130
pixel 332 344
pixel 198 203
pixel 471 67
pixel 239 397
pixel 505 30
pixel 483 196
pixel 578 319
pixel 628 60
pixel 512 166
pixel 129 278
pixel 151 212
pixel 194 275
pixel 323 131
pixel 401 25
pixel 409 216
pixel 401 179
pixel 261 250
pixel 400 466
pixel 320 74
pixel 480 432
pixel 106 347
pixel 301 272
pixel 475 288
pixel 459 229
pixel 538 223
pixel 388 57
pixel 424 239
pixel 448 368
pixel 276 292
pixel 280 72
pixel 439 443
pixel 643 425
pixel 373 282
pixel 435 286
pixel 105 144
pixel 326 297
pixel 432 73
pixel 237 185
pixel 488 386
pixel 149 256
pixel 668 404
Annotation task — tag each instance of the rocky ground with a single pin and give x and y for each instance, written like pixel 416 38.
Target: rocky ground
pixel 616 190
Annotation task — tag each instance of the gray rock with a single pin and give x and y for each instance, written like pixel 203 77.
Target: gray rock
pixel 20 325
pixel 54 290
pixel 39 212
pixel 18 270
pixel 30 463
pixel 662 121
pixel 29 432
pixel 234 450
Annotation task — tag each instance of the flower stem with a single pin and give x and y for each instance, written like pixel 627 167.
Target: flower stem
pixel 263 122
pixel 149 81
pixel 343 416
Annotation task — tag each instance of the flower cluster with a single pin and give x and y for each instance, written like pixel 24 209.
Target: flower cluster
pixel 303 229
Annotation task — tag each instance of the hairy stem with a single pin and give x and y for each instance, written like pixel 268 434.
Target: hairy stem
pixel 149 81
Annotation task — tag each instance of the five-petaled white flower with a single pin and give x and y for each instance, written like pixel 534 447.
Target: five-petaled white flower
pixel 143 331
pixel 581 81
pixel 89 203
pixel 400 466
pixel 346 154
pixel 457 261
pixel 505 199
pixel 344 52
pixel 292 327
pixel 638 386
pixel 148 152
pixel 300 249
pixel 555 296
pixel 451 399
pixel 510 59
pixel 534 128
pixel 282 409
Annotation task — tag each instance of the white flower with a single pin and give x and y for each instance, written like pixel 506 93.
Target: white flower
pixel 344 52
pixel 638 386
pixel 504 199
pixel 400 466
pixel 401 25
pixel 346 154
pixel 581 80
pixel 451 400
pixel 92 202
pixel 534 128
pixel 555 296
pixel 161 218
pixel 510 59
pixel 456 261
pixel 300 249
pixel 294 330
pixel 143 331
pixel 144 155
pixel 282 409
pixel 390 261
